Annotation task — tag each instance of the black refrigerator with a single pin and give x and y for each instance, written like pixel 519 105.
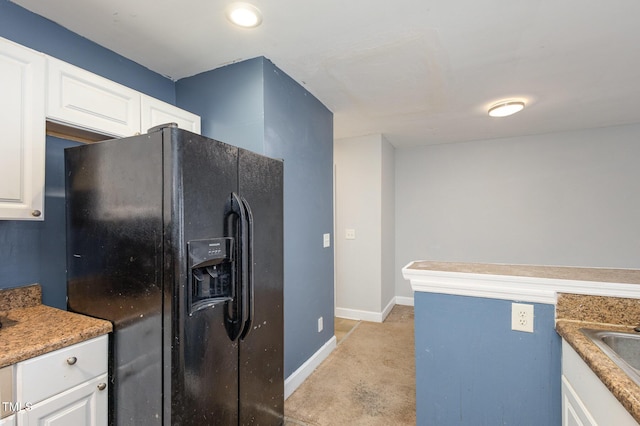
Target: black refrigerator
pixel 177 239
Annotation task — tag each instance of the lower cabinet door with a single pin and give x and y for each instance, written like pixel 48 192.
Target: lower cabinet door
pixel 8 421
pixel 574 413
pixel 84 405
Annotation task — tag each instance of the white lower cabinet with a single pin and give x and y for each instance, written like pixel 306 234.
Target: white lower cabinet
pixel 585 399
pixel 8 421
pixel 65 387
pixel 85 404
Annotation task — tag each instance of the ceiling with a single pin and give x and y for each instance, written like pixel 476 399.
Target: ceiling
pixel 418 71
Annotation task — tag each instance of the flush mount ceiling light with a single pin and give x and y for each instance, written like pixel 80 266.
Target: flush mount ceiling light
pixel 506 108
pixel 244 15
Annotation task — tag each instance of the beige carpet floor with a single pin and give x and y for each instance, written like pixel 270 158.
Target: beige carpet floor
pixel 369 379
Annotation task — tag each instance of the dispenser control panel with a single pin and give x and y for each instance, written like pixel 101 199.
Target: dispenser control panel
pixel 210 272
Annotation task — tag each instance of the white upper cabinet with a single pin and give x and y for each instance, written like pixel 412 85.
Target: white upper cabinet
pixel 22 120
pixel 155 112
pixel 82 99
pixel 34 88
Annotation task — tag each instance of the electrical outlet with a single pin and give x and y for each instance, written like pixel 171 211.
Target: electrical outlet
pixel 320 324
pixel 326 240
pixel 522 317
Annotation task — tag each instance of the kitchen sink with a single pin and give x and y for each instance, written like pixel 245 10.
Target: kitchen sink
pixel 621 347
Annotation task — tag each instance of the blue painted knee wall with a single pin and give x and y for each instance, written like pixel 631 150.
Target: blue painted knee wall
pixel 472 369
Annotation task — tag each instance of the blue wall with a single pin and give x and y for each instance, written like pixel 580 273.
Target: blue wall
pixel 35 251
pixel 299 129
pixel 230 102
pixel 472 369
pixel 254 105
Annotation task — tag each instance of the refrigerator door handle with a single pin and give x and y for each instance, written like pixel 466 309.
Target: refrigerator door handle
pixel 235 314
pixel 249 283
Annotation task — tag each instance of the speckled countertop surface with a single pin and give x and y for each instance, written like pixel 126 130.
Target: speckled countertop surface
pixel 574 312
pixel 30 329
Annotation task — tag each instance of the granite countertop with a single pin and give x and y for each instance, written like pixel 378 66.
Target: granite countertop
pixel 574 312
pixel 30 328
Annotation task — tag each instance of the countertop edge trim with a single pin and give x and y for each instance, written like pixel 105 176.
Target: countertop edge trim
pixel 508 287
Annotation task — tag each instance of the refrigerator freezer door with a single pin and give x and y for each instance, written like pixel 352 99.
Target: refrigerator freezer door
pixel 114 262
pixel 204 361
pixel 261 350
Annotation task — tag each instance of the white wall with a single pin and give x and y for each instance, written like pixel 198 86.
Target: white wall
pixel 559 199
pixel 388 209
pixel 365 277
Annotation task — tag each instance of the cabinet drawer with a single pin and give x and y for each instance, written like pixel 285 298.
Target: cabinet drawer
pixel 52 373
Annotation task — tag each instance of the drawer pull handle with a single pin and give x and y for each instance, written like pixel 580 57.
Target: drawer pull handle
pixel 72 360
pixel 102 386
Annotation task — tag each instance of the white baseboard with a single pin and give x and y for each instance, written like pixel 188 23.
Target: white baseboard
pixel 387 309
pixel 356 314
pixel 373 316
pixel 296 378
pixel 405 301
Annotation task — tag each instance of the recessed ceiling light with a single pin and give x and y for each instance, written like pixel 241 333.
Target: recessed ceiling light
pixel 244 15
pixel 506 108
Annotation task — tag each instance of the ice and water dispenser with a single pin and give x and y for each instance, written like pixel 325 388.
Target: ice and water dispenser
pixel 210 272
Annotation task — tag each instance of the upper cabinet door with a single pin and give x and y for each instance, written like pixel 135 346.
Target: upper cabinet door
pixel 155 112
pixel 22 144
pixel 82 99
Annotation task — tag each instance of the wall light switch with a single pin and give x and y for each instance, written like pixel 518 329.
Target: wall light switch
pixel 350 234
pixel 326 240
